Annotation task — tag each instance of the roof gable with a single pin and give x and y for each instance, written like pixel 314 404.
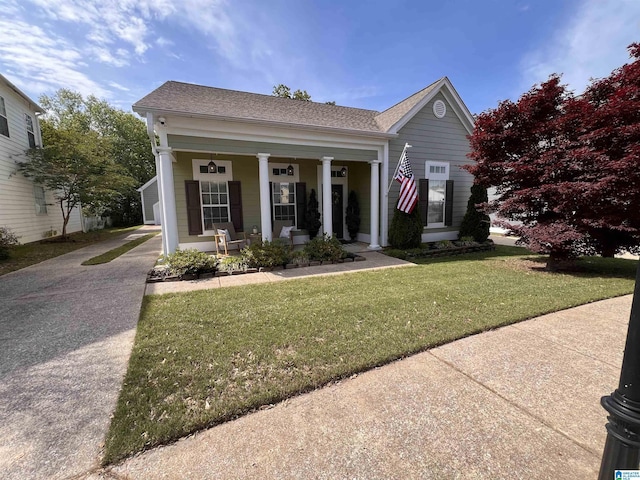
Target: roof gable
pixel 394 118
pixel 33 105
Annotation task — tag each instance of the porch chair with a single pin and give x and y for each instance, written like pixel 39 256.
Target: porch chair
pixel 286 235
pixel 227 237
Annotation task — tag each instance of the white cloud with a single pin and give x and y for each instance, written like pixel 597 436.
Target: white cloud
pixel 118 86
pixel 591 45
pixel 43 59
pixel 164 42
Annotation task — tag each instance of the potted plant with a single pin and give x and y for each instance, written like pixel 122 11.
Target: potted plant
pixel 313 215
pixel 353 215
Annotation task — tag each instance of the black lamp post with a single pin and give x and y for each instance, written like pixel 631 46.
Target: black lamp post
pixel 622 448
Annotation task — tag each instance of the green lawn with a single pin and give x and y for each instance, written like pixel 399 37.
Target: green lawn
pixel 205 357
pixel 22 256
pixel 116 252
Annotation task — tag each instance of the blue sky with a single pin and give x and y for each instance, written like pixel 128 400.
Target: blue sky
pixel 367 54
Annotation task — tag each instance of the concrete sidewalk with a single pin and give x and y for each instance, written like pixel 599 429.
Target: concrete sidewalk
pixel 517 402
pixel 66 336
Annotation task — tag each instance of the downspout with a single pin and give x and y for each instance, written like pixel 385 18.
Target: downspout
pixel 152 139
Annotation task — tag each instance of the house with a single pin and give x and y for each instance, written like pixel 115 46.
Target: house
pixel 26 208
pixel 251 159
pixel 150 200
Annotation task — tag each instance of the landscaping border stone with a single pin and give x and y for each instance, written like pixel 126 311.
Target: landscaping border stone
pixel 158 276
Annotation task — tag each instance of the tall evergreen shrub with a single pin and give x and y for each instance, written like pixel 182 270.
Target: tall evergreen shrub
pixel 406 229
pixel 476 223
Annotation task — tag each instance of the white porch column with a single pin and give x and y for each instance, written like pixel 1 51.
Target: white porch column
pixel 160 201
pixel 327 212
pixel 265 196
pixel 375 205
pixel 169 213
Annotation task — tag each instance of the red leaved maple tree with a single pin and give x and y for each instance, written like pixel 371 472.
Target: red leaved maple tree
pixel 566 168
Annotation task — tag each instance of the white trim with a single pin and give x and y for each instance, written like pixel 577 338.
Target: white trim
pixel 205 232
pixel 227 176
pixel 269 133
pixel 363 237
pixel 439 109
pixel 337 180
pixel 436 176
pixel 462 112
pixel 32 105
pixel 442 177
pixel 259 123
pixel 295 178
pixel 438 236
pixel 144 214
pixel 155 178
pixel 384 198
pixel 202 246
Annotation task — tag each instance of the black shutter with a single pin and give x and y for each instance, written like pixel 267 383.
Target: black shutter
pixel 235 206
pixel 271 201
pixel 301 204
pixel 194 215
pixel 448 204
pixel 423 198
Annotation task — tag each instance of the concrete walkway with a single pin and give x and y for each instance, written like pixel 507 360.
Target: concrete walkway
pixel 518 402
pixel 66 336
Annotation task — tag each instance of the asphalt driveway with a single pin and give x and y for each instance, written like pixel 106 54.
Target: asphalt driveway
pixel 66 333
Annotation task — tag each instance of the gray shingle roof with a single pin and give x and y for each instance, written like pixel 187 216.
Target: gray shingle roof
pixel 190 99
pixel 392 115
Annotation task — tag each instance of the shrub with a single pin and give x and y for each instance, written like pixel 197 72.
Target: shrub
pixel 230 264
pixel 191 260
pixel 299 258
pixel 312 220
pixel 406 229
pixel 475 223
pixel 466 242
pixel 266 254
pixel 7 238
pixel 443 244
pixel 324 249
pixel 353 215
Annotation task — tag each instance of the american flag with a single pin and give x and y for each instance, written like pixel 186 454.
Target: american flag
pixel 408 189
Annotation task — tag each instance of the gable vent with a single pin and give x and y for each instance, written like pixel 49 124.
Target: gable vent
pixel 439 108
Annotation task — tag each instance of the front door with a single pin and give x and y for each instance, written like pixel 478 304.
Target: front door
pixel 337 210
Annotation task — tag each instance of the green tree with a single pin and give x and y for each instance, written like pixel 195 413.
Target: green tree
pixel 77 167
pixel 284 91
pixel 128 145
pixel 475 222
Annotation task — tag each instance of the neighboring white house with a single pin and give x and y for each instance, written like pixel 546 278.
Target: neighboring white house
pixel 26 208
pixel 250 159
pixel 150 202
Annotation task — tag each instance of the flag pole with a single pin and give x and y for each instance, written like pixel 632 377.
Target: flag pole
pixel 406 145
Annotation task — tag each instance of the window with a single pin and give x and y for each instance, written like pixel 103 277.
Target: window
pixel 214 192
pixel 30 134
pixel 41 205
pixel 4 122
pixel 284 201
pixel 437 173
pixel 215 203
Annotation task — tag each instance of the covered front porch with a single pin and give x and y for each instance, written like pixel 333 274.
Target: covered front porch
pixel 256 185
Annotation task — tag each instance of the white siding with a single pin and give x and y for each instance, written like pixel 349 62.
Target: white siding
pixel 17 197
